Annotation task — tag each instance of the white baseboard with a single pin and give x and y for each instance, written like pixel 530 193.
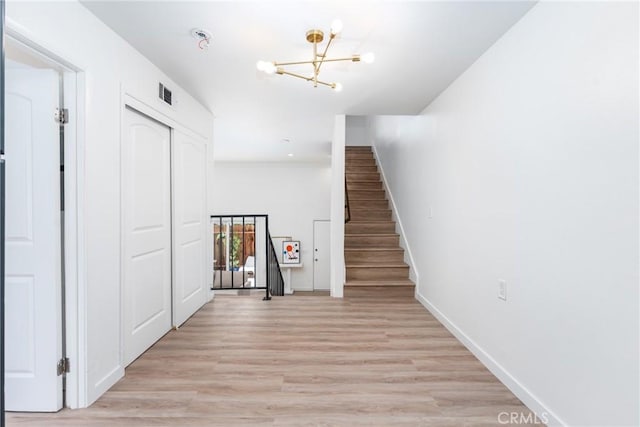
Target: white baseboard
pixel 404 243
pixel 105 384
pixel 529 399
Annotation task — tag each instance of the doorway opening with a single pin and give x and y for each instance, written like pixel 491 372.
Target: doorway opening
pixel 40 98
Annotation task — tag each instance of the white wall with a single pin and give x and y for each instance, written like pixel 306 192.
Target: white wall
pixel 338 273
pixel 356 130
pixel 529 165
pixel 109 67
pixel 293 194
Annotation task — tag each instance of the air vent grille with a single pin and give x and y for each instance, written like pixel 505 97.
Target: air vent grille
pixel 165 94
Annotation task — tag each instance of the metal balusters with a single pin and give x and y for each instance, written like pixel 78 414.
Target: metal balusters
pixel 276 284
pixel 229 253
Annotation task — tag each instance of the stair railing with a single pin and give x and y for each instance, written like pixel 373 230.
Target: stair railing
pixel 347 216
pixel 236 255
pixel 274 274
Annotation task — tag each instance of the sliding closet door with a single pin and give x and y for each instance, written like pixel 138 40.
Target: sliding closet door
pixel 190 225
pixel 146 190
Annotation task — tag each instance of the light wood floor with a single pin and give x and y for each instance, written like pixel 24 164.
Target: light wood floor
pixel 374 358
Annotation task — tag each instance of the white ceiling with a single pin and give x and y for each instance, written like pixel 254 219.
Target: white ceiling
pixel 420 48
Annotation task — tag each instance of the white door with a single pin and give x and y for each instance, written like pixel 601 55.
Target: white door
pixel 33 340
pixel 321 255
pixel 146 191
pixel 189 226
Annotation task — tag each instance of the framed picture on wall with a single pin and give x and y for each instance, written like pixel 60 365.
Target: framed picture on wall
pixel 291 252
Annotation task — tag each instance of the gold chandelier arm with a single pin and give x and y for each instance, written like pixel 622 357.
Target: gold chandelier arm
pixel 324 54
pixel 315 64
pixel 331 85
pixel 288 73
pixel 278 64
pixel 300 76
pixel 354 58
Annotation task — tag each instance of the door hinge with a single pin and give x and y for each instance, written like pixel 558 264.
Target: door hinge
pixel 62 115
pixel 63 366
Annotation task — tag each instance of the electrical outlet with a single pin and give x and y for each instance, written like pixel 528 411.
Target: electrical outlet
pixel 430 213
pixel 502 290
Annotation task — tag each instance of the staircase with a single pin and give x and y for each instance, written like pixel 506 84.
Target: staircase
pixel 372 251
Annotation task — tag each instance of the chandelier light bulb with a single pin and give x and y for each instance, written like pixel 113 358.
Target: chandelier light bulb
pixel 337 87
pixel 336 26
pixel 368 58
pixel 266 66
pixel 269 68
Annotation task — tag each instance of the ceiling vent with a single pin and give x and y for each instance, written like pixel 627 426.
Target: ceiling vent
pixel 165 94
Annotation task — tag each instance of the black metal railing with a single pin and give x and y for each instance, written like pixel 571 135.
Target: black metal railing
pixel 244 256
pixel 274 274
pixel 347 208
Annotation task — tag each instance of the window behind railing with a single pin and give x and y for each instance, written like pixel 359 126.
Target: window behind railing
pixel 243 254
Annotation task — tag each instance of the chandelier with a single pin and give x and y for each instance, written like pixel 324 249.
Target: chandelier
pixel 315 37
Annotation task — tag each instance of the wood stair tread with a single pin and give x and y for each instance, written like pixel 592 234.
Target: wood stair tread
pixel 398 249
pixel 371 222
pixel 376 265
pixel 372 234
pixel 373 205
pixel 394 282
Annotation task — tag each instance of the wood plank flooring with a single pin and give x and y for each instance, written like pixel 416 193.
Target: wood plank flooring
pixel 374 358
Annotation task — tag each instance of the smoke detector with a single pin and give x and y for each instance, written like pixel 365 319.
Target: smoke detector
pixel 202 36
